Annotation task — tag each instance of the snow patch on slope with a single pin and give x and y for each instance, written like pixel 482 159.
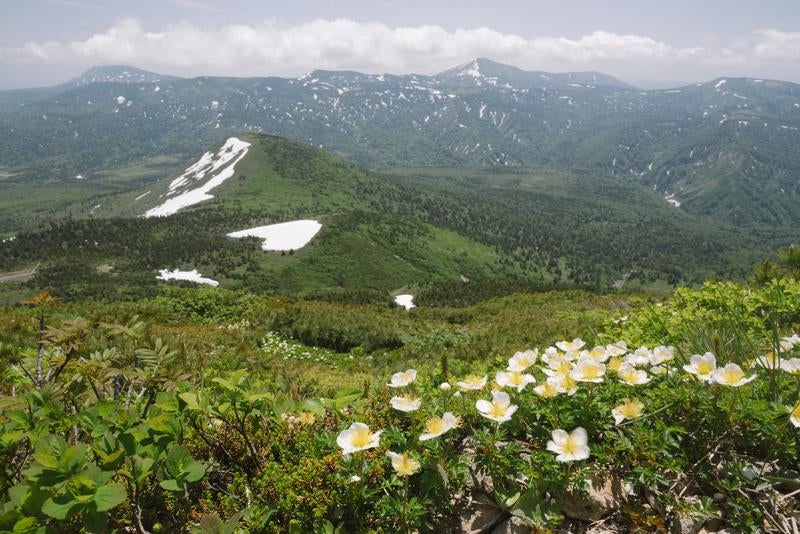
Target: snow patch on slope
pixel 228 156
pixel 405 301
pixel 290 235
pixel 186 276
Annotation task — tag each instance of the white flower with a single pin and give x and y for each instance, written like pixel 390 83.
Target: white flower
pixel 617 349
pixel 632 376
pixel 403 464
pixel 788 343
pixel 407 403
pixel 662 354
pixel 444 386
pixel 701 366
pixel 513 379
pixel 629 409
pixel 791 366
pixel 498 409
pixel 571 346
pixel 569 446
pixel 558 364
pixel 436 426
pixel 598 354
pixel 588 370
pixel 731 375
pixel 355 478
pixel 522 360
pixel 548 389
pixel 640 358
pixel 357 438
pixel 769 361
pixel 472 383
pixel 565 384
pixel 403 378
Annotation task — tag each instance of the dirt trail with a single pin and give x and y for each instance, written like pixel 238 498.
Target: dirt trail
pixel 18 276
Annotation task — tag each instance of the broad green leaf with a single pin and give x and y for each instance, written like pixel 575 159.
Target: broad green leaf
pixel 59 507
pixel 109 496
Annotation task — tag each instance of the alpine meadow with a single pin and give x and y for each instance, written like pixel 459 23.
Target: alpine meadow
pixel 335 271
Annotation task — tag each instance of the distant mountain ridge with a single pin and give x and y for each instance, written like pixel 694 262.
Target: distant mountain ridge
pixel 726 148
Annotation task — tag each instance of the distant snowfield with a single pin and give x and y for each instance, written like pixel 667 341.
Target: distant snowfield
pixel 229 154
pixel 405 301
pixel 186 276
pixel 290 235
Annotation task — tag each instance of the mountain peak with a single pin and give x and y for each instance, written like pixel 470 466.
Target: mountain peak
pixel 478 67
pixel 119 74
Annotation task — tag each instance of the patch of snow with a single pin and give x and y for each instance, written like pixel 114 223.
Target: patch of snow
pixel 79 177
pixel 784 127
pixel 405 301
pixel 187 276
pixel 140 197
pixel 229 154
pixel 671 200
pixel 719 84
pixel 120 100
pixel 292 235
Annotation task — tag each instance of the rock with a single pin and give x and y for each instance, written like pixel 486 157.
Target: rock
pixel 686 524
pixel 480 514
pixel 513 525
pixel 605 493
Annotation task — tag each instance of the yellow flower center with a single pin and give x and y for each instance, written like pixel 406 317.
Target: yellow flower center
pixel 614 364
pixel 731 376
pixel 570 446
pixel 434 426
pixel 590 372
pixel 796 411
pixel 474 381
pixel 548 390
pixel 406 465
pixel 515 378
pixel 497 410
pixel 704 367
pixel 361 437
pixel 630 409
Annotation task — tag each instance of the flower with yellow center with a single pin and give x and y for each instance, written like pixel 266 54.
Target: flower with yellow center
pixel 403 464
pixel 548 389
pixel 436 426
pixel 629 409
pixel 794 416
pixel 659 370
pixel 472 383
pixel 598 354
pixel 522 360
pixel 499 409
pixel 406 403
pixel 558 366
pixel 565 384
pixel 701 366
pixel 569 446
pixel 640 357
pixel 357 438
pixel 588 370
pixel 614 364
pixel 513 379
pixel 403 378
pixel 632 376
pixel 770 360
pixel 571 346
pixel 731 375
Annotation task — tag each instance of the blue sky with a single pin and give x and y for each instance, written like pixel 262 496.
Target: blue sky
pixel 48 41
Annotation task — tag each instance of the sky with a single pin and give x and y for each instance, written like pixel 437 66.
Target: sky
pixel 645 42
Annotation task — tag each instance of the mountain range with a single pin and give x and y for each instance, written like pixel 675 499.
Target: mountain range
pixel 725 149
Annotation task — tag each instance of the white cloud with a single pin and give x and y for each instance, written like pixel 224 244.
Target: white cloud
pixel 273 47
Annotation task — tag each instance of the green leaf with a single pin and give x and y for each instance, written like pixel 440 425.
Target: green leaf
pixel 177 460
pixel 170 485
pixel 59 507
pixel 109 496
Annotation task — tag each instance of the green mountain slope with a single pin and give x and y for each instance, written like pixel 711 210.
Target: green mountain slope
pixel 725 148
